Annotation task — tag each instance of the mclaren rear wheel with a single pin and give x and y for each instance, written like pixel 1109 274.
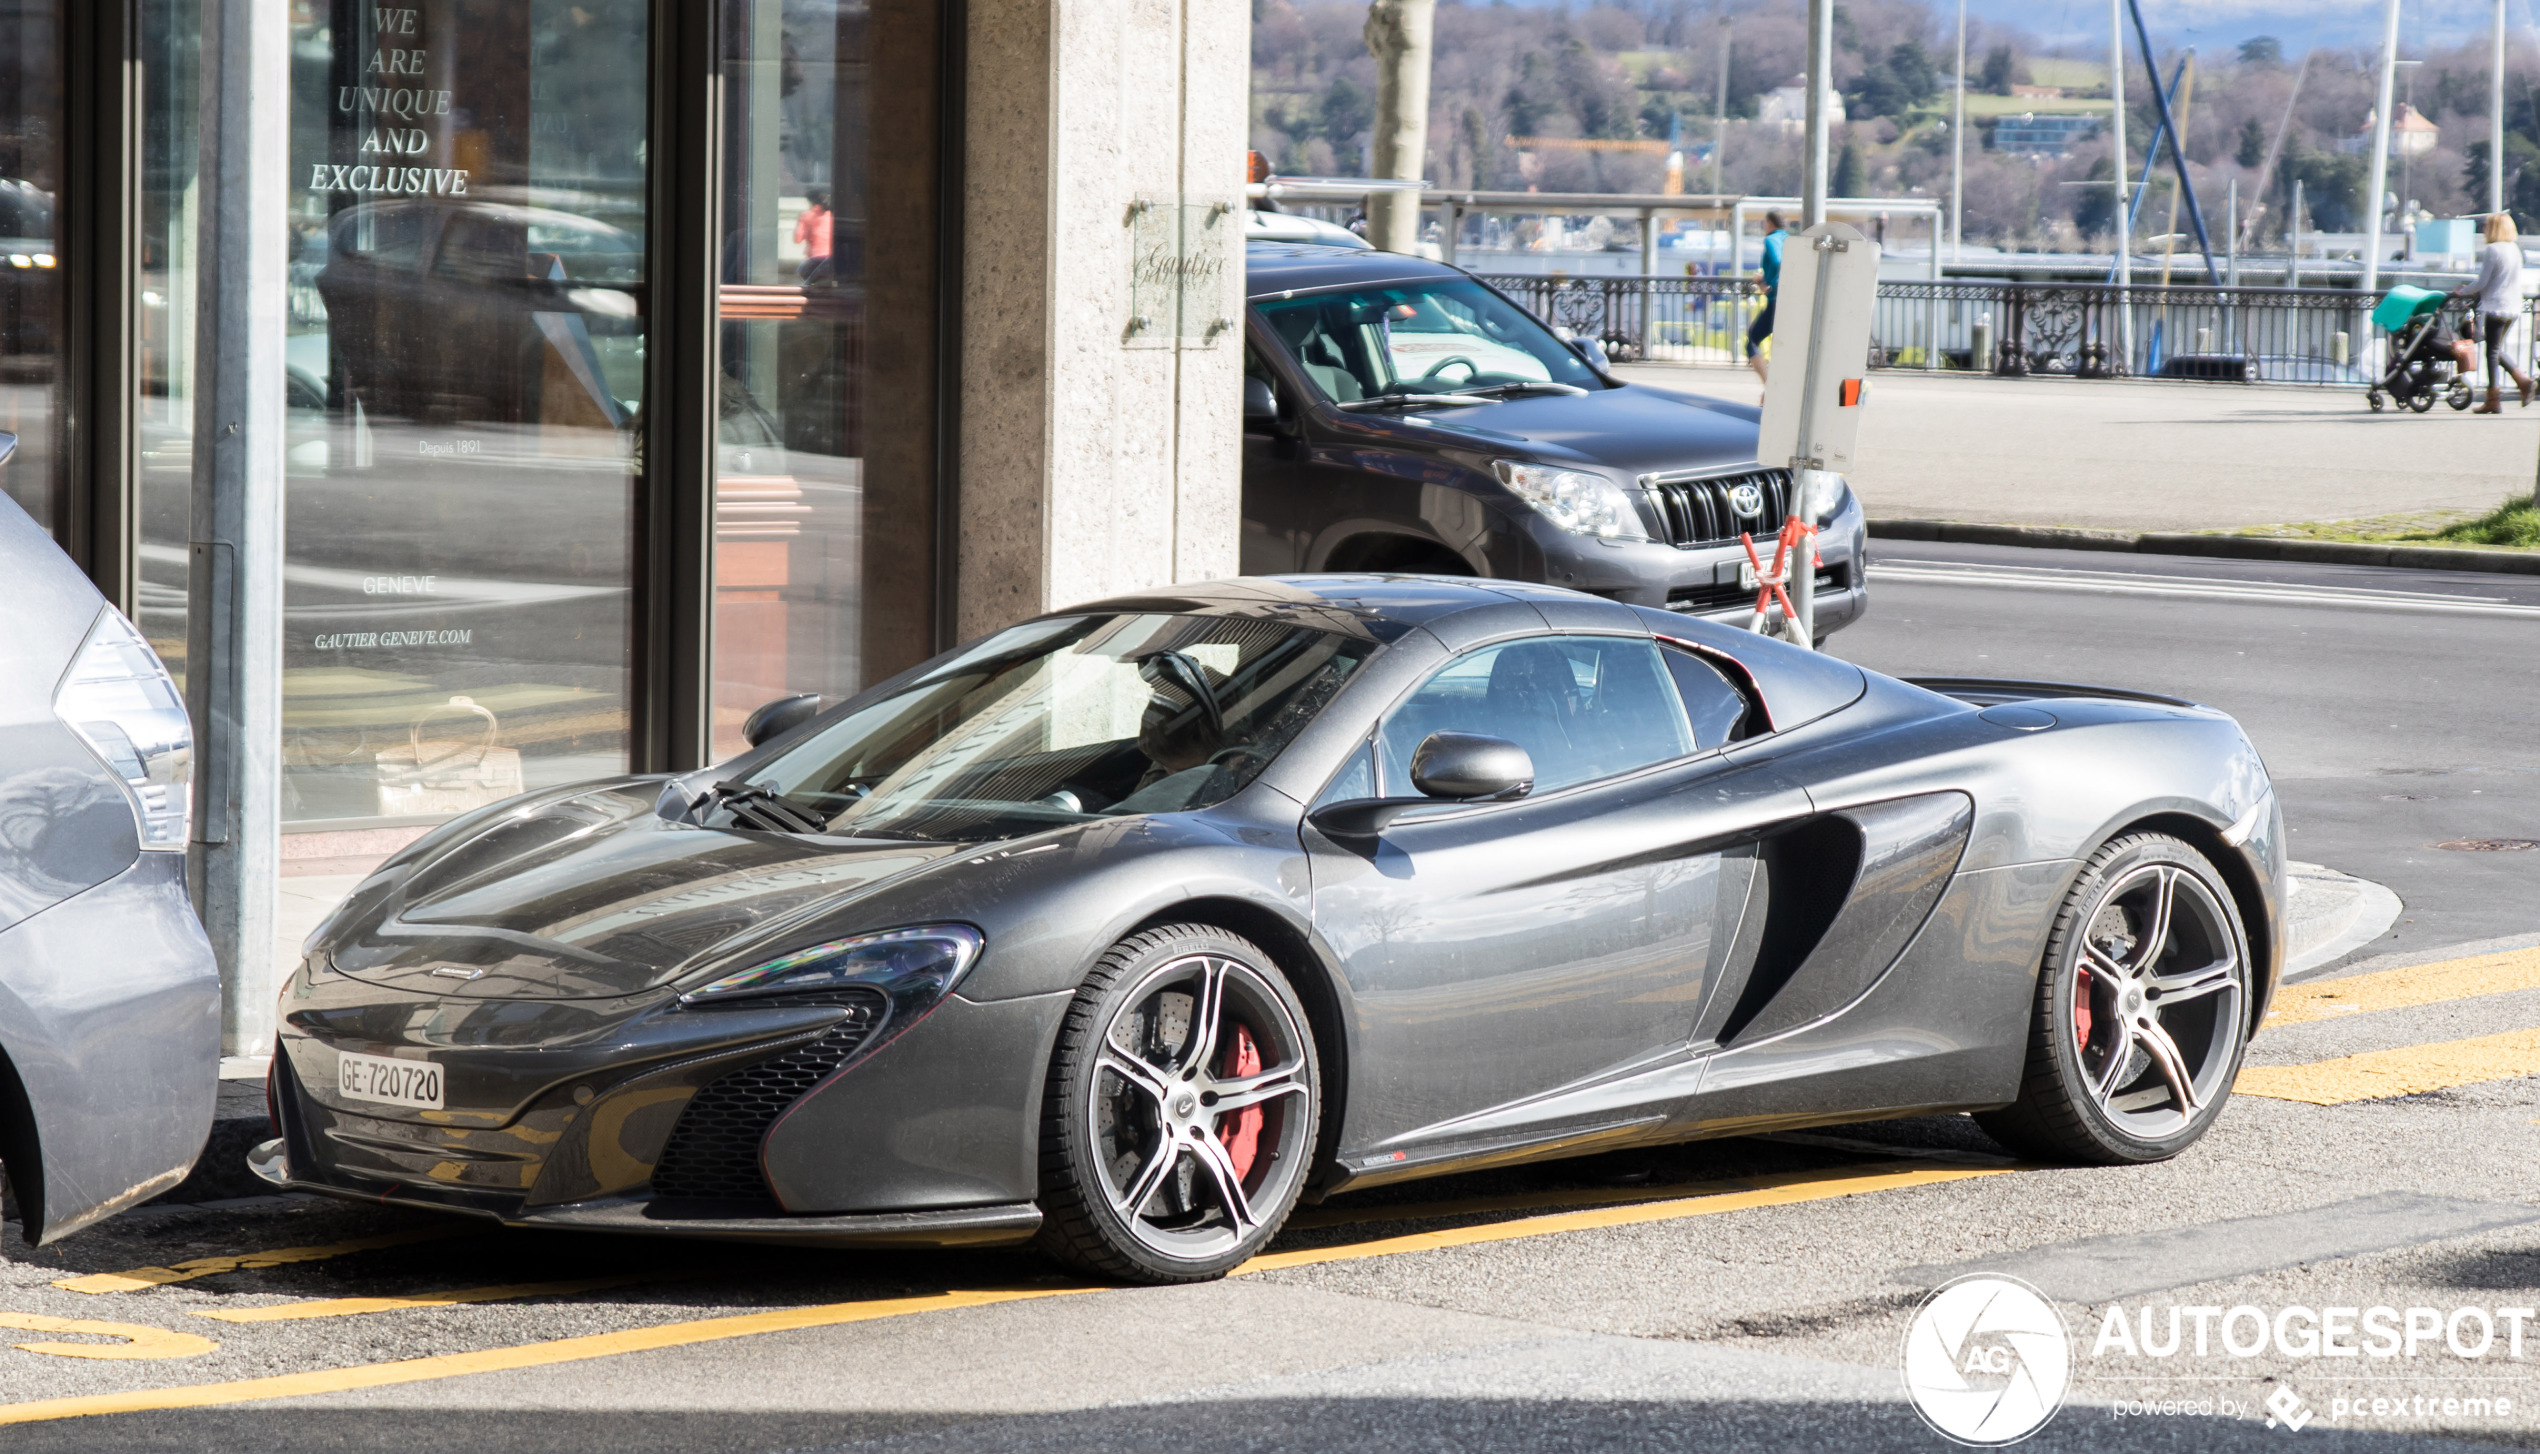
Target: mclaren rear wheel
pixel 2142 1011
pixel 1181 1109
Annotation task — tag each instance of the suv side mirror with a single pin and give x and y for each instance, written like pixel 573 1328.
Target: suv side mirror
pixel 1261 406
pixel 1454 767
pixel 779 717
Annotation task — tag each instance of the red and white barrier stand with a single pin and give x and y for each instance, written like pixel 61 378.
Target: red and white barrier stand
pixel 1798 539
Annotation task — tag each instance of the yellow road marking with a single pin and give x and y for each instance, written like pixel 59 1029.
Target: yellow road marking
pixel 528 1355
pixel 345 1307
pixel 2406 1071
pixel 140 1341
pixel 141 1277
pixel 1767 1191
pixel 2399 989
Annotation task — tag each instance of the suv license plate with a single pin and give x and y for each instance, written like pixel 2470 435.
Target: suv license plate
pixel 414 1083
pixel 1746 575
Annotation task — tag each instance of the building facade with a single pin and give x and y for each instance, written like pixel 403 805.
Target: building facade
pixel 643 360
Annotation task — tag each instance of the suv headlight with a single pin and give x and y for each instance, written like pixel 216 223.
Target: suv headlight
pixel 1579 502
pixel 122 703
pixel 925 962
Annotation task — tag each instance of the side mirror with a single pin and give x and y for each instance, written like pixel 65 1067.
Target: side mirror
pixel 1454 767
pixel 1468 765
pixel 1261 406
pixel 8 445
pixel 779 717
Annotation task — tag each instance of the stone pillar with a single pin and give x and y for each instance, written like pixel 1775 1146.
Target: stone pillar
pixel 1101 342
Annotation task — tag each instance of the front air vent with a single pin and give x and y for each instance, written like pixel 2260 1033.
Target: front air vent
pixel 1699 509
pixel 713 1151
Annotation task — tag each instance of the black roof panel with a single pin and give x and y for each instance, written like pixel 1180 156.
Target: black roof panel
pixel 1273 268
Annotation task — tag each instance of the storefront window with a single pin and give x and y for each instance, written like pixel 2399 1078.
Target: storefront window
pixel 30 271
pixel 466 381
pixel 824 346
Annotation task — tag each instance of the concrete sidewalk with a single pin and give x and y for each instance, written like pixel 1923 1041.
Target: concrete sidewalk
pixel 2158 456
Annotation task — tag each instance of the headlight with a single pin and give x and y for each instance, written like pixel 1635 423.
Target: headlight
pixel 1831 494
pixel 929 958
pixel 121 702
pixel 1579 502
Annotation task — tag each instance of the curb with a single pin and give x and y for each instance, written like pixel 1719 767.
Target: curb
pixel 2234 547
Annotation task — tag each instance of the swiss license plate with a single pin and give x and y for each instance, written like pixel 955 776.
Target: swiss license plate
pixel 397 1082
pixel 1746 575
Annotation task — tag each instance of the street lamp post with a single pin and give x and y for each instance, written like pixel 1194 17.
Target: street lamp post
pixel 2380 178
pixel 1958 145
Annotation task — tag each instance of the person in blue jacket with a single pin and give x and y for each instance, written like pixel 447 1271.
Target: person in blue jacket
pixel 1762 327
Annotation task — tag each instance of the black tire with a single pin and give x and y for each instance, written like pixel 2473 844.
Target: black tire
pixel 2078 1102
pixel 2373 397
pixel 1132 1102
pixel 2458 396
pixel 2421 401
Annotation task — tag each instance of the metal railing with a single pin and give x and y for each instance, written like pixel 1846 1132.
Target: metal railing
pixel 2074 330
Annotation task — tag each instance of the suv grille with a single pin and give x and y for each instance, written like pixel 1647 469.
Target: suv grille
pixel 713 1151
pixel 1700 509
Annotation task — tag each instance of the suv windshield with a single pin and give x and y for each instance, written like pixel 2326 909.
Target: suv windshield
pixel 1452 336
pixel 1064 721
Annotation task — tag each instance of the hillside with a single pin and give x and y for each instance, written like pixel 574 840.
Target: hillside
pixel 1644 68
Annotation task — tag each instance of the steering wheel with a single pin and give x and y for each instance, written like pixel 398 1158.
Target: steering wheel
pixel 1472 370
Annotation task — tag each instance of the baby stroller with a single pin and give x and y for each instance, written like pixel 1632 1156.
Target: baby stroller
pixel 2422 361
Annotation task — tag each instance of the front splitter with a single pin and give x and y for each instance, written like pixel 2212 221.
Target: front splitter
pixel 990 1226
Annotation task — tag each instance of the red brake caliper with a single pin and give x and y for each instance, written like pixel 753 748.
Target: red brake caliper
pixel 2081 1008
pixel 1241 1134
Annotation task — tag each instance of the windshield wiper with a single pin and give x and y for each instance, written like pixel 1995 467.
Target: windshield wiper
pixel 761 807
pixel 1528 386
pixel 1383 401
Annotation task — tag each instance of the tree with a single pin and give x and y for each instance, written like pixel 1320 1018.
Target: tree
pixel 2095 206
pixel 1849 178
pixel 2332 187
pixel 2262 50
pixel 1995 78
pixel 1347 111
pixel 1897 83
pixel 2253 144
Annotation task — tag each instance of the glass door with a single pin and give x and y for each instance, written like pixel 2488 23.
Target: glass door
pixel 31 375
pixel 824 530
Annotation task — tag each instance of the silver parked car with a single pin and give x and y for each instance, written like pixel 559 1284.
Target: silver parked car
pixel 109 1000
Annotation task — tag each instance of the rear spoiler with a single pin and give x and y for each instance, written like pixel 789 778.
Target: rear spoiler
pixel 1993 692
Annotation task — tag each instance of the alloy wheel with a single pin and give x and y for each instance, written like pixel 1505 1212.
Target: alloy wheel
pixel 2158 1000
pixel 1200 1106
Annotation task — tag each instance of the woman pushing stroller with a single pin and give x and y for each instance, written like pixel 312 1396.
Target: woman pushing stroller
pixel 2498 289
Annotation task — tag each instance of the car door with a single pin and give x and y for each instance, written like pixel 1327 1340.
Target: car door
pixel 1277 474
pixel 1534 971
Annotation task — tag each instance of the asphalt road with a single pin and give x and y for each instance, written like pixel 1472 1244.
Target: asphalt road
pixel 2396 709
pixel 1750 1294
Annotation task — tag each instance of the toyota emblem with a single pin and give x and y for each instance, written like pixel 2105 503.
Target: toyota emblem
pixel 1746 500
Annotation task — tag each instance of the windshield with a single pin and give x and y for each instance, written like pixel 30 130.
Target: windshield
pixel 1065 721
pixel 1452 336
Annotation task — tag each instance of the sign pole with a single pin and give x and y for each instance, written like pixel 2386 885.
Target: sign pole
pixel 1812 402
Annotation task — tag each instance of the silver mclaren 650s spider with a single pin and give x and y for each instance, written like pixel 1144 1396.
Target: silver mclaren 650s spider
pixel 1128 927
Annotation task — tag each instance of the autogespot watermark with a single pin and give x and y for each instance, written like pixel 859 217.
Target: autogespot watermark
pixel 1988 1361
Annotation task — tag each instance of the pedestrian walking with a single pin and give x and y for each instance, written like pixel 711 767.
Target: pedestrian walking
pixel 2498 289
pixel 1762 328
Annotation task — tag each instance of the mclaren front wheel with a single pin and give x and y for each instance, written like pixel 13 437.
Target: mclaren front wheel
pixel 1180 1112
pixel 2142 1011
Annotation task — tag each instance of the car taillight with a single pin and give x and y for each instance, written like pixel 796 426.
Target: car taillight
pixel 122 703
